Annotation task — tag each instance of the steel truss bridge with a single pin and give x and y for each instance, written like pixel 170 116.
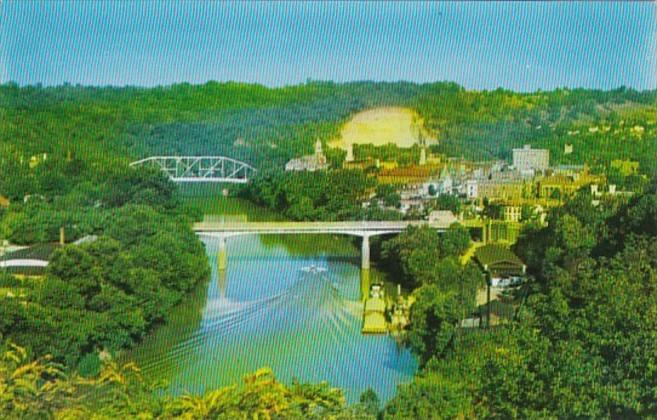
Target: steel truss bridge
pixel 200 168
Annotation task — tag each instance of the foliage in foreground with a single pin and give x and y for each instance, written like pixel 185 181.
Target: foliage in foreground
pixel 41 389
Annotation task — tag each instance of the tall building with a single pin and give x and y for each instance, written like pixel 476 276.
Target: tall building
pixel 528 160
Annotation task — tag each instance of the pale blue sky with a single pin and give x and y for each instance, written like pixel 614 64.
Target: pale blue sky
pixel 519 46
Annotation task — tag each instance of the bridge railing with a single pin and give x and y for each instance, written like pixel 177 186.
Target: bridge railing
pixel 310 227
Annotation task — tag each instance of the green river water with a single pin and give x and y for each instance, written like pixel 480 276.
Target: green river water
pixel 265 310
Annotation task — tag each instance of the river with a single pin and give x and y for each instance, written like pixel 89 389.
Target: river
pixel 265 310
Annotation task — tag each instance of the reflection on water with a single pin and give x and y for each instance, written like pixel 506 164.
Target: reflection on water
pixel 265 310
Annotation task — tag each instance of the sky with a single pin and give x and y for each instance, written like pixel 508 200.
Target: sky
pixel 522 46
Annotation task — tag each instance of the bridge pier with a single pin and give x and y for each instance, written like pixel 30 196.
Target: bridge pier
pixel 364 284
pixel 221 278
pixel 365 268
pixel 222 259
pixel 365 253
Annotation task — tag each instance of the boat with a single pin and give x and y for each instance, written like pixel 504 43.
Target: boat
pixel 374 313
pixel 313 269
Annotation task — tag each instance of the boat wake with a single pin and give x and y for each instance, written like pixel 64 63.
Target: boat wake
pixel 313 300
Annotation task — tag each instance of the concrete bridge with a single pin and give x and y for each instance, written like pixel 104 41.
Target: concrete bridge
pixel 365 230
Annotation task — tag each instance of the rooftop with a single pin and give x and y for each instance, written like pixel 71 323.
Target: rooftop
pixel 36 252
pixel 496 257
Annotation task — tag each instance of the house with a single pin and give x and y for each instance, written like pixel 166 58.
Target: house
pixel 502 266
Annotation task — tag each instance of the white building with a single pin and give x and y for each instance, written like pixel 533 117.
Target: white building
pixel 528 160
pixel 471 188
pixel 310 162
pixel 445 185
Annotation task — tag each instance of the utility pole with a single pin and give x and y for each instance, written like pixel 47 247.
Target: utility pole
pixel 488 281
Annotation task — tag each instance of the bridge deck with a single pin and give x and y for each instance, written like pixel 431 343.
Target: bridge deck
pixel 310 227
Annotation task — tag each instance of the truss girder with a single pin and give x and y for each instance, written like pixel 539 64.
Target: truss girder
pixel 200 168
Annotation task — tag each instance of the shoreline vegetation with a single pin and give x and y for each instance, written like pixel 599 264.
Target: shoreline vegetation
pixel 64 154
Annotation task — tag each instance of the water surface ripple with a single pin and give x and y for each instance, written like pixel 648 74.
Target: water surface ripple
pixel 266 311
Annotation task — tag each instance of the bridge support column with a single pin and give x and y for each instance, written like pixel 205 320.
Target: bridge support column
pixel 365 268
pixel 221 279
pixel 365 253
pixel 364 284
pixel 222 259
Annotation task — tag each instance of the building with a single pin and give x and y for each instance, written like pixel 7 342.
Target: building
pixel 30 261
pixel 442 216
pixel 444 186
pixel 408 204
pixel 537 208
pixel 311 163
pixel 501 189
pixel 570 170
pixel 559 186
pixel 501 264
pixel 511 212
pixel 409 175
pixel 529 161
pixel 471 189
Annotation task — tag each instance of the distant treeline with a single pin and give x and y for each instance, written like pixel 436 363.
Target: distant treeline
pixel 267 126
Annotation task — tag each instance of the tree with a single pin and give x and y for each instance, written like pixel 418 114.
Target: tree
pixel 430 396
pixel 74 266
pixel 434 318
pixel 388 195
pixel 455 241
pixel 448 202
pixel 370 402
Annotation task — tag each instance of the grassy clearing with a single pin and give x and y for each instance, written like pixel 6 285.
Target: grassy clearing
pixel 380 126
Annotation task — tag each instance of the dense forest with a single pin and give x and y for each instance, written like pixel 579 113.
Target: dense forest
pixel 267 126
pixel 64 154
